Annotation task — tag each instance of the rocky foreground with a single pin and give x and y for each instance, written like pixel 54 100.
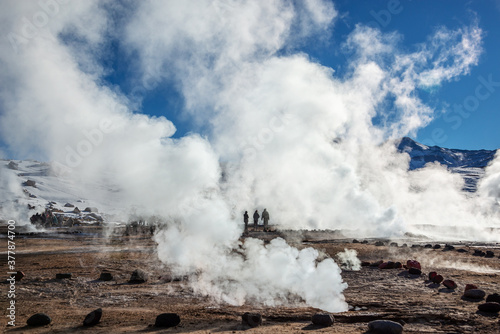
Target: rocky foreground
pixel 90 283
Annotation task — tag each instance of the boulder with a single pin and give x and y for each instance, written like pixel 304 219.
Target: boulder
pixel 39 319
pixel 379 243
pixel 69 205
pixel 355 241
pixel 432 274
pixel 76 210
pixel 376 264
pixel 470 286
pixel 495 298
pixel 413 264
pixel 167 320
pixel 478 252
pixel 91 209
pixel 474 294
pixel 106 277
pixel 30 183
pixel 437 279
pixel 251 319
pixel 448 247
pixel 139 276
pixel 428 246
pixel 63 276
pixel 490 307
pixel 437 246
pixel 365 264
pixel 393 244
pixel 322 319
pixel 93 318
pixel 385 327
pixel 461 250
pixel 450 284
pixel 489 254
pixel 18 276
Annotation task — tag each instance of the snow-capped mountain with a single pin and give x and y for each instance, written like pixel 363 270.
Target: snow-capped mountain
pixel 469 163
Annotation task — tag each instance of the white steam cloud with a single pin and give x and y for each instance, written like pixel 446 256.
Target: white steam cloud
pixel 291 135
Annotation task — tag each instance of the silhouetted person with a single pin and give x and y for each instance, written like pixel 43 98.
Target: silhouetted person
pixel 245 220
pixel 265 218
pixel 256 217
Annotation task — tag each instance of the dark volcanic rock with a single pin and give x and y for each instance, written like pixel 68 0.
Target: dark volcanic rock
pixel 355 241
pixel 13 165
pixel 470 287
pixel 376 264
pixel 478 252
pixel 139 276
pixel 437 279
pixel 18 276
pixel 448 247
pixel 39 319
pixel 432 274
pixel 322 319
pixel 450 284
pixel 69 205
pixel 490 307
pixel 474 294
pixel 461 250
pixel 489 254
pixel 413 264
pixel 63 276
pixel 495 298
pixel 167 320
pixel 385 327
pixel 30 183
pixel 91 209
pixel 428 246
pixel 437 246
pixel 93 318
pixel 106 277
pixel 251 319
pixel 379 243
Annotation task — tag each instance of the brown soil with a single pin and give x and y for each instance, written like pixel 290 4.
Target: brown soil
pixel 132 308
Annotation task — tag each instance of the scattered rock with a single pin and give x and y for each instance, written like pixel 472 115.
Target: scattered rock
pixel 252 319
pixel 364 241
pixel 376 264
pixel 385 327
pixel 470 287
pixel 495 298
pixel 489 254
pixel 450 284
pixel 39 319
pixel 478 252
pixel 355 241
pixel 437 279
pixel 18 276
pixel 437 246
pixel 93 318
pixel 413 264
pixel 323 319
pixel 139 276
pixel 63 276
pixel 106 277
pixel 167 320
pixel 69 205
pixel 432 274
pixel 393 244
pixel 404 246
pixel 448 247
pixel 461 250
pixel 428 246
pixel 490 307
pixel 30 183
pixel 414 271
pixel 474 294
pixel 91 209
pixel 76 210
pixel 365 264
pixel 379 243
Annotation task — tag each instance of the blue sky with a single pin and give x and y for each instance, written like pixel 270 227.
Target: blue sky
pixel 475 128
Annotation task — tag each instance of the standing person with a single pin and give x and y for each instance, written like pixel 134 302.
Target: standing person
pixel 265 218
pixel 245 220
pixel 256 217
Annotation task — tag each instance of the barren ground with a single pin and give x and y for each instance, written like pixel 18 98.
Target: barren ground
pixel 132 308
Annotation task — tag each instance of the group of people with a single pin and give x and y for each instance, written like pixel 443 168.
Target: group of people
pixel 256 216
pixel 45 219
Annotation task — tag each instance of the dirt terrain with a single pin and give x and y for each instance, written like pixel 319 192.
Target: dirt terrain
pixel 373 293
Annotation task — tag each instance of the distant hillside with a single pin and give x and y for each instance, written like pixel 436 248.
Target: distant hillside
pixel 469 163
